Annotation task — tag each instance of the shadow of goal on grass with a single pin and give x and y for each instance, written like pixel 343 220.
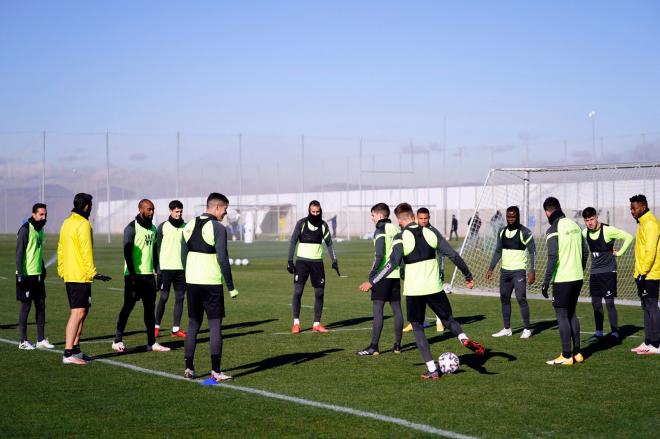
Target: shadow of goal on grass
pixel 293 359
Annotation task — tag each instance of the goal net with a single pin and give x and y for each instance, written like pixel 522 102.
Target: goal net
pixel 607 188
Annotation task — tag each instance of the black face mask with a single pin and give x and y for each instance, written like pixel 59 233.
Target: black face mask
pixel 38 225
pixel 81 212
pixel 514 226
pixel 144 222
pixel 315 220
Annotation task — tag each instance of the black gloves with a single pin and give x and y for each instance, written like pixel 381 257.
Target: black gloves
pixel 335 266
pixel 290 267
pixel 544 290
pixel 159 282
pixel 102 277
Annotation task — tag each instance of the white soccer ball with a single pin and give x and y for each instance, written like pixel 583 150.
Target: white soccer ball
pixel 238 261
pixel 231 261
pixel 245 261
pixel 448 362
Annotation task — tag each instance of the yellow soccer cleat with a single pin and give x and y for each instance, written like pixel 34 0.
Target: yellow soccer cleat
pixel 408 328
pixel 578 358
pixel 561 360
pixel 439 327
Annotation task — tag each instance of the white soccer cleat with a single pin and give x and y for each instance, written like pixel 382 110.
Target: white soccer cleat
pixel 641 347
pixel 74 360
pixel 118 347
pixel 503 333
pixel 650 350
pixel 26 345
pixel 219 377
pixel 526 333
pixel 156 347
pixel 45 344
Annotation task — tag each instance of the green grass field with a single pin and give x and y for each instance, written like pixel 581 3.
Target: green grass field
pixel 509 393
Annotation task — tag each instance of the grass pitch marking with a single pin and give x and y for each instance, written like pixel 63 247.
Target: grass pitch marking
pixel 279 396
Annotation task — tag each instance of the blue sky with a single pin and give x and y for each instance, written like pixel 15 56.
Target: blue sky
pixel 500 73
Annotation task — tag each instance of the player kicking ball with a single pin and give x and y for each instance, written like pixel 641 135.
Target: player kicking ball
pixel 418 247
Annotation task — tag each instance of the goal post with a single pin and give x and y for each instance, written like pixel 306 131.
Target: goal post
pixel 607 188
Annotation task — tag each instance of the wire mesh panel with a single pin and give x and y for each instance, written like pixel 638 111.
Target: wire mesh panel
pixel 606 188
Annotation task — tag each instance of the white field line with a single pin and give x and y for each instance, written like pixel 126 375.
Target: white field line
pixel 279 396
pixel 302 306
pixel 114 289
pixel 466 292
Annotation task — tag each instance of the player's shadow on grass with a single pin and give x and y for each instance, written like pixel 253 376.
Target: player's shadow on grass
pixel 352 322
pixel 606 343
pixel 478 362
pixel 281 360
pixel 538 327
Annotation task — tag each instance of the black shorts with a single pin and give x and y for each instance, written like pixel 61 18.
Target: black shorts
pixel 648 288
pixel 207 298
pixel 79 294
pixel 31 288
pixel 566 294
pixel 438 302
pixel 603 285
pixel 313 269
pixel 388 290
pixel 175 278
pixel 142 286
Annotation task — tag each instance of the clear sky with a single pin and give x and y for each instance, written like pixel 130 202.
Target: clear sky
pixel 500 73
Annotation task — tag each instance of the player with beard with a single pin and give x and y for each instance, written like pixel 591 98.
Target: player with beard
pixel 306 242
pixel 515 245
pixel 141 260
pixel 30 275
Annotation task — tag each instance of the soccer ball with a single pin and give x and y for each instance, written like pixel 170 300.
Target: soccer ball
pixel 231 261
pixel 245 261
pixel 448 362
pixel 238 261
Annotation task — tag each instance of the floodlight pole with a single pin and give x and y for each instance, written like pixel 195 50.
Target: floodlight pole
pixel 360 185
pixel 107 179
pixel 43 168
pixel 526 198
pixel 240 169
pixel 178 156
pixel 302 172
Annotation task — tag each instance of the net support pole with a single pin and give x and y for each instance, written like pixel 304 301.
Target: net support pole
pixel 43 167
pixel 526 198
pixel 467 236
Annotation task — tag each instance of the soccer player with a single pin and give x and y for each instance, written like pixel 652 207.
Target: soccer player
pixel 454 227
pixel 647 272
pixel 308 235
pixel 140 262
pixel 600 238
pixel 168 240
pixel 30 275
pixel 418 247
pixel 75 264
pixel 515 245
pixel 567 258
pixel 389 289
pixel 206 263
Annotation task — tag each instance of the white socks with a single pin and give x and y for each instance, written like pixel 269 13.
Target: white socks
pixel 430 365
pixel 462 337
pixel 296 321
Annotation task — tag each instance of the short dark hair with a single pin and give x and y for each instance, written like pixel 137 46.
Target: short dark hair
pixel 639 198
pixel 216 198
pixel 551 204
pixel 381 208
pixel 176 204
pixel 404 209
pixel 588 212
pixel 38 206
pixel 313 203
pixel 513 209
pixel 423 210
pixel 144 201
pixel 81 200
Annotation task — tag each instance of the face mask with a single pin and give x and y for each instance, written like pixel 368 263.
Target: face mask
pixel 315 220
pixel 38 225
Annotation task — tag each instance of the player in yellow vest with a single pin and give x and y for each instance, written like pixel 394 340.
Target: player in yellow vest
pixel 389 289
pixel 307 238
pixel 418 247
pixel 140 262
pixel 171 274
pixel 567 258
pixel 206 262
pixel 647 272
pixel 30 275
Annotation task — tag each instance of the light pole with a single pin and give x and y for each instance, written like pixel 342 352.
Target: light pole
pixel 592 116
